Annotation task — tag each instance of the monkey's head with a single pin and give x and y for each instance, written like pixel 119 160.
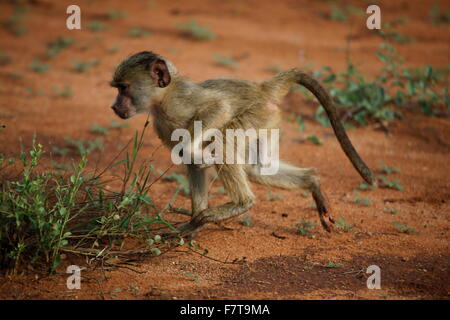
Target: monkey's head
pixel 140 80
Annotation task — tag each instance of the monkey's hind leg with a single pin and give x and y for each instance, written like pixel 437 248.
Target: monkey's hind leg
pixel 291 177
pixel 236 184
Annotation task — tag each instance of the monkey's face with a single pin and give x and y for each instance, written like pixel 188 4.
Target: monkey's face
pixel 140 84
pixel 123 105
pixel 133 98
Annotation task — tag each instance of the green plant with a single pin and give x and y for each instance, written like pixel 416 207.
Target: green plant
pixel 403 228
pixel 331 264
pixel 275 68
pixel 38 66
pixel 303 228
pixel 14 23
pixel 55 47
pixel 315 140
pixel 136 32
pixel 60 166
pixel 246 220
pixel 337 13
pixel 79 66
pixel 85 147
pixel 384 168
pixel 340 13
pixel 60 151
pixel 97 26
pixel 44 214
pixel 113 49
pixel 390 210
pixel 388 33
pixel 115 14
pixel 119 125
pixel 33 92
pixel 301 123
pixel 196 31
pixel 364 186
pixel 181 180
pixel 392 184
pixel 437 17
pixel 65 92
pixel 362 101
pixel 96 128
pixel 414 86
pixel 273 197
pixel 191 277
pixel 344 225
pixel 224 61
pixel 361 201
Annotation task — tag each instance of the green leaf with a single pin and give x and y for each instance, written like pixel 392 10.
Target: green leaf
pixel 315 140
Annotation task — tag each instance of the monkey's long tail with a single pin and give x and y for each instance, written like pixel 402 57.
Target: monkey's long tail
pixel 324 98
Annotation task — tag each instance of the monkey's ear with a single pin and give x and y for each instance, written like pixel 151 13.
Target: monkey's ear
pixel 160 73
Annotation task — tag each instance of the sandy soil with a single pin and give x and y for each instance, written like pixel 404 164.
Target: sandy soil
pixel 280 264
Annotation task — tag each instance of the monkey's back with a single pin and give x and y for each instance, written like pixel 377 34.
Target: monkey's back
pixel 252 107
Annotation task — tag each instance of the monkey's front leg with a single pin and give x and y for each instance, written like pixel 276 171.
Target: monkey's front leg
pixel 199 183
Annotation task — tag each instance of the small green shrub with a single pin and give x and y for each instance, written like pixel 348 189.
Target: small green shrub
pixel 225 61
pixel 96 128
pixel 137 32
pixel 437 17
pixel 392 184
pixel 303 228
pixel 65 92
pixel 331 264
pixel 85 147
pixel 14 23
pixel 55 47
pixel 344 225
pixel 39 67
pixel 361 201
pixel 115 14
pixel 403 228
pixel 196 31
pixel 246 220
pixel 44 214
pixel 181 180
pixel 315 140
pixel 80 66
pixel 273 197
pixel 97 26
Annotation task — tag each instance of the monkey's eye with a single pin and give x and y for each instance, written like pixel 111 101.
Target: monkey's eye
pixel 123 87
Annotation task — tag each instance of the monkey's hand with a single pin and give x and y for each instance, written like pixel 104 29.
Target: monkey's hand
pixel 187 230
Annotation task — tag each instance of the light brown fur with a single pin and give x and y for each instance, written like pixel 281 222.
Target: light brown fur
pixel 147 81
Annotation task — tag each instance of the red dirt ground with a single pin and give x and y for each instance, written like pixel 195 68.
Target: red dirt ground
pixel 280 264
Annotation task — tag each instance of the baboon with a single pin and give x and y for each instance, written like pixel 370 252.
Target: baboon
pixel 147 82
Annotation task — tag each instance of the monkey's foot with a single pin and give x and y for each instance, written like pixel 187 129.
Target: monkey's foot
pixel 327 221
pixel 187 230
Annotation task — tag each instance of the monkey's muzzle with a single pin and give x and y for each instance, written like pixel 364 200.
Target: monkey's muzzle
pixel 123 113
